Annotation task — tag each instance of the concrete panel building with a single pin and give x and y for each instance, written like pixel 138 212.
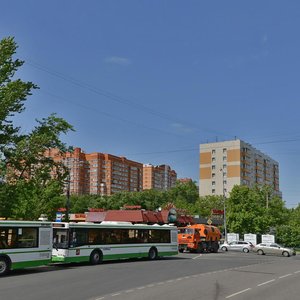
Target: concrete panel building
pixel 229 163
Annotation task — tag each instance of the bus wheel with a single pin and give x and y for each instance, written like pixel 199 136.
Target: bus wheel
pixel 152 254
pixel 96 257
pixel 4 266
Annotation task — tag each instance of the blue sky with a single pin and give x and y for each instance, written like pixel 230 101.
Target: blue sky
pixel 151 80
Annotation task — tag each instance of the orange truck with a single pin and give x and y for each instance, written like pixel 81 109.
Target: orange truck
pixel 199 238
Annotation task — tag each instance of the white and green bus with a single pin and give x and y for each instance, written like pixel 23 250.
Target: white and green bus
pixel 94 243
pixel 24 244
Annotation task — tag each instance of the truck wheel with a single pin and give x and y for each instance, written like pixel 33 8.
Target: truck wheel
pixel 200 248
pixel 4 266
pixel 215 248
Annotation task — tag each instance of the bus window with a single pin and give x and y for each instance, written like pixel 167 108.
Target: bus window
pixel 79 237
pixel 8 238
pixel 27 237
pixel 143 236
pixel 18 237
pixel 159 236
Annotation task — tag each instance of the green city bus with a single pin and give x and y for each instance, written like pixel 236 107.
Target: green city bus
pixel 24 244
pixel 94 243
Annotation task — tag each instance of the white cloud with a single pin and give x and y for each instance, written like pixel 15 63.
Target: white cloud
pixel 123 61
pixel 181 128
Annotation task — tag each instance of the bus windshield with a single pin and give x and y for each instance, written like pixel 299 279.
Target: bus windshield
pixel 60 238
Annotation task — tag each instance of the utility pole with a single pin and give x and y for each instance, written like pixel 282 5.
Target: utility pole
pixel 224 201
pixel 68 198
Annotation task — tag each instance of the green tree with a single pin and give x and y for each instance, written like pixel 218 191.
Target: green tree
pixel 27 158
pixel 206 204
pixel 246 211
pixel 13 92
pixel 288 233
pixel 184 192
pixel 81 204
pixel 8 203
pixel 30 182
pixel 38 179
pixel 254 210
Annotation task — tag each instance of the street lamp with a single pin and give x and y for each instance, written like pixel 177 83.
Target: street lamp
pixel 68 198
pixel 224 201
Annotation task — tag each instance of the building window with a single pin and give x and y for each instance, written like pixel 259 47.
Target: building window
pixel 213 159
pixel 213 175
pixel 213 151
pixel 224 150
pixel 224 158
pixel 213 183
pixel 213 167
pixel 213 191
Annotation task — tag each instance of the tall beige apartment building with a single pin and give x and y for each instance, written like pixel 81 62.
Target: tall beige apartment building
pixel 229 163
pixel 158 177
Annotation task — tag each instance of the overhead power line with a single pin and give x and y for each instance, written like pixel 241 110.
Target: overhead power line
pixel 118 99
pixel 110 115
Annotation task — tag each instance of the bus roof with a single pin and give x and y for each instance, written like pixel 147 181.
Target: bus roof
pixel 110 224
pixel 5 223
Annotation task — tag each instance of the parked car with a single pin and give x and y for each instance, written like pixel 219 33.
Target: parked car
pixel 273 248
pixel 237 246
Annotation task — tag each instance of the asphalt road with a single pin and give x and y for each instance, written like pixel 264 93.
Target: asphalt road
pixel 213 276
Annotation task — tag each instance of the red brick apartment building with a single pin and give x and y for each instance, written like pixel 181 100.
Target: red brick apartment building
pixel 185 180
pixel 100 173
pixel 158 177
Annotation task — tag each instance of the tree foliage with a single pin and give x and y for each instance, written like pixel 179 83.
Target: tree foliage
pixel 205 205
pixel 253 210
pixel 13 92
pixel 187 192
pixel 288 232
pixel 27 158
pixel 30 181
pixel 148 199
